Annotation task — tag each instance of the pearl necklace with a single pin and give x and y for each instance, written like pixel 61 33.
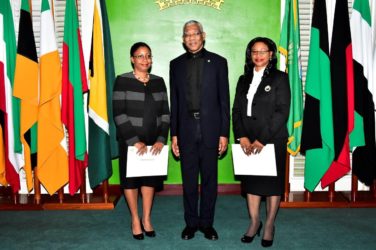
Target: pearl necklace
pixel 142 79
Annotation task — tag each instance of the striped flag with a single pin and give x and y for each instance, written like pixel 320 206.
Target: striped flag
pixel 317 133
pixel 52 157
pixel 100 105
pixel 364 158
pixel 11 160
pixel 74 85
pixel 26 83
pixel 342 81
pixel 289 47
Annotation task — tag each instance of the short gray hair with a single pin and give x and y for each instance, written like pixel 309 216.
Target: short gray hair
pixel 191 22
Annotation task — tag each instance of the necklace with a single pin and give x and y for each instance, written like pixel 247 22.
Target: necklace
pixel 142 79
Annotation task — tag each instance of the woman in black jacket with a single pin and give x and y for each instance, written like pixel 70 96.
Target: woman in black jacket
pixel 260 112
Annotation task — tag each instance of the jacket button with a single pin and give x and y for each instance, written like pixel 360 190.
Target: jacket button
pixel 253 104
pixel 254 118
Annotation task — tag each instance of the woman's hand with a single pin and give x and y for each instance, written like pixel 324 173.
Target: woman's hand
pixel 245 144
pixel 156 148
pixel 141 148
pixel 256 147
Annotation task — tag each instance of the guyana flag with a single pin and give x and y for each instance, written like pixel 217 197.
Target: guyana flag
pixel 289 47
pixel 73 86
pixel 317 133
pixel 52 157
pixel 26 83
pixel 101 126
pixel 10 145
pixel 364 157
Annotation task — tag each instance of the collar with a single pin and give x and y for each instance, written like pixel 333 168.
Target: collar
pixel 199 54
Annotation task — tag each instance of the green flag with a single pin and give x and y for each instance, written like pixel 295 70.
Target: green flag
pixel 289 47
pixel 102 140
pixel 317 132
pixel 73 85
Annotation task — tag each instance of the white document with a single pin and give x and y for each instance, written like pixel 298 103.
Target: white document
pixel 147 164
pixel 262 164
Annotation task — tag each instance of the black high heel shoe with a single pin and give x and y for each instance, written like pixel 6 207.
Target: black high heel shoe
pixel 249 239
pixel 147 233
pixel 137 236
pixel 268 243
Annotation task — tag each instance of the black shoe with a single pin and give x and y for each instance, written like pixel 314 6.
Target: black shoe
pixel 147 233
pixel 209 233
pixel 188 233
pixel 249 239
pixel 137 236
pixel 267 243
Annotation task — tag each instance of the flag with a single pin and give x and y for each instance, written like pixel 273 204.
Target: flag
pixel 110 78
pixel 73 85
pixel 26 83
pixel 52 157
pixel 364 157
pixel 317 133
pixel 342 81
pixel 289 47
pixel 100 105
pixel 3 109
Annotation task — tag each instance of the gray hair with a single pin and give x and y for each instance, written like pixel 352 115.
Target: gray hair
pixel 191 22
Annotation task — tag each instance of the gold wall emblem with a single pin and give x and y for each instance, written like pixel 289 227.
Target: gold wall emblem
pixel 164 4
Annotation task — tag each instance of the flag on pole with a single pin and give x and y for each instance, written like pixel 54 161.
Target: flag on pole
pixel 110 78
pixel 74 85
pixel 289 47
pixel 26 83
pixel 100 105
pixel 342 81
pixel 364 157
pixel 52 157
pixel 12 147
pixel 317 133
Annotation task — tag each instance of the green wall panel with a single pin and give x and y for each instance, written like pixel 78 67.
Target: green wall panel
pixel 228 32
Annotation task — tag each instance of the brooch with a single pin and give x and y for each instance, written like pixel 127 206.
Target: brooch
pixel 267 88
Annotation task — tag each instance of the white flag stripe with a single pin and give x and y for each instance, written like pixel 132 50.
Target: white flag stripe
pixel 48 41
pixel 15 159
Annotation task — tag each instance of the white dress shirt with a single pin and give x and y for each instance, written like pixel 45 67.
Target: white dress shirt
pixel 257 75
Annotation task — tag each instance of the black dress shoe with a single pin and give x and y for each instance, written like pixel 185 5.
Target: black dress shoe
pixel 249 239
pixel 209 233
pixel 188 233
pixel 137 236
pixel 267 243
pixel 147 233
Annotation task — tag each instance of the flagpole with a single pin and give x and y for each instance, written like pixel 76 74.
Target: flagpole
pixel 37 195
pixel 354 188
pixel 287 178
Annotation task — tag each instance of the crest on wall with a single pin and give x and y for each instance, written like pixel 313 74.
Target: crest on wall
pixel 164 4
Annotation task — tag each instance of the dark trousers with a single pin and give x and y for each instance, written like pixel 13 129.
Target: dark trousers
pixel 198 160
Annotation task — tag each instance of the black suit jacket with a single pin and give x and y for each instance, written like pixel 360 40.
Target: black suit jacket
pixel 214 101
pixel 270 108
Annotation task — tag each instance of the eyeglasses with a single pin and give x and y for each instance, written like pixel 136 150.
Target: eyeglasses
pixel 196 34
pixel 142 57
pixel 260 52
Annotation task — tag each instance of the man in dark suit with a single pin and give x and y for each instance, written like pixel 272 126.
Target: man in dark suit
pixel 200 118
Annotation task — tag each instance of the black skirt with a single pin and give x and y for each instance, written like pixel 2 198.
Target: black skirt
pixel 136 182
pixel 268 185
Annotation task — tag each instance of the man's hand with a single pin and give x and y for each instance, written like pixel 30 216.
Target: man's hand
pixel 222 147
pixel 174 146
pixel 141 148
pixel 156 148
